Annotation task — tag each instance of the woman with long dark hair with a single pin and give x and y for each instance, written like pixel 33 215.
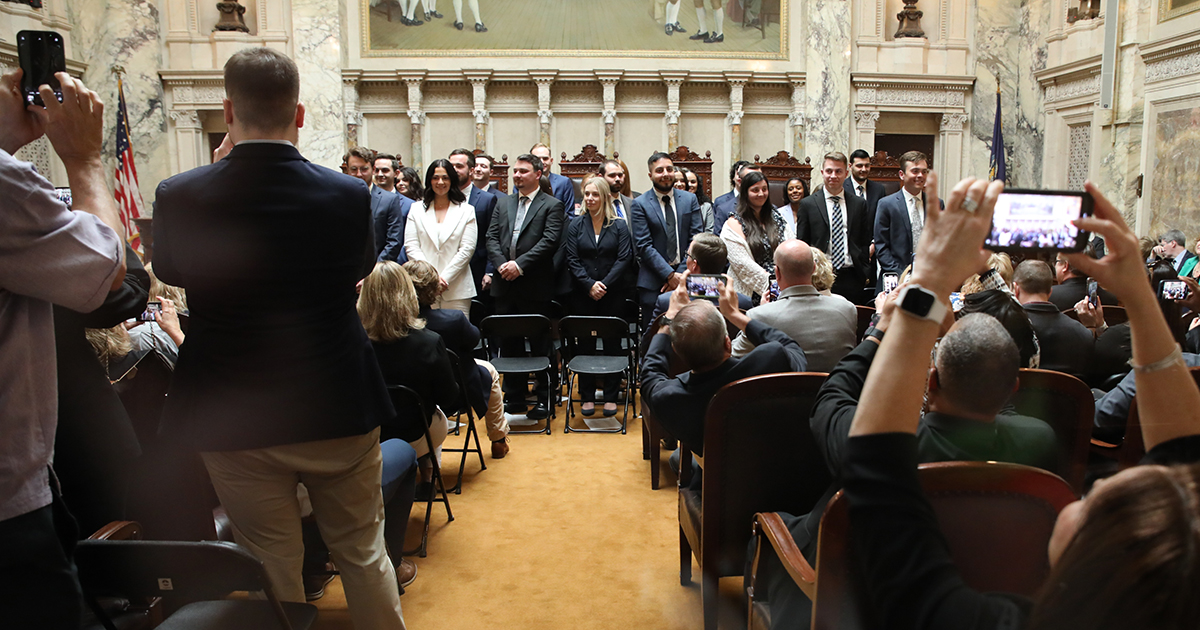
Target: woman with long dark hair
pixel 441 230
pixel 751 236
pixel 408 183
pixel 695 185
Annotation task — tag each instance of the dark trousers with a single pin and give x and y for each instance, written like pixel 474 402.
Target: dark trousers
pixel 647 298
pixel 611 305
pixel 36 570
pixel 850 284
pixel 514 386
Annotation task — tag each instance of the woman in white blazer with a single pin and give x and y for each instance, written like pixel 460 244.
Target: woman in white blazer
pixel 441 231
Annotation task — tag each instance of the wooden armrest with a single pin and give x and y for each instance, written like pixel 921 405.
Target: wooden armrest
pixel 119 530
pixel 1102 444
pixel 772 527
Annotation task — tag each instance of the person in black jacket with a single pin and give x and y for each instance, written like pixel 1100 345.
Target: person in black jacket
pixel 599 250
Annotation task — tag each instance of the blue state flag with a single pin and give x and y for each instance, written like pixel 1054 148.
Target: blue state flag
pixel 997 168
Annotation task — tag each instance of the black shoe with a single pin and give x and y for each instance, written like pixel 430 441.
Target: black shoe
pixel 670 29
pixel 458 25
pixel 480 28
pixel 436 14
pixel 699 36
pixel 314 586
pixel 539 412
pixel 587 412
pixel 516 409
pixel 714 40
pixel 415 22
pixel 678 28
pixel 608 413
pixel 428 18
pixel 404 20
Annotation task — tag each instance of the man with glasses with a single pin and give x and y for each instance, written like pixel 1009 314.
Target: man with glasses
pixel 389 211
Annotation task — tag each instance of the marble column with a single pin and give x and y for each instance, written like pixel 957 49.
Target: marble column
pixel 190 147
pixel 608 81
pixel 544 79
pixel 737 82
pixel 796 118
pixel 673 80
pixel 479 81
pixel 108 33
pixel 864 128
pixel 949 159
pixel 316 49
pixel 354 117
pixel 827 57
pixel 417 117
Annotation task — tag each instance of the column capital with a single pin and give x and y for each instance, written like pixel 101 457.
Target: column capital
pixel 544 116
pixel 416 117
pixel 186 119
pixel 953 122
pixel 866 119
pixel 796 120
pixel 673 116
pixel 610 116
pixel 735 118
pixel 481 116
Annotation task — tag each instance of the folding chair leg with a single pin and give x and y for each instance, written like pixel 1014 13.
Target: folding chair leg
pixel 685 559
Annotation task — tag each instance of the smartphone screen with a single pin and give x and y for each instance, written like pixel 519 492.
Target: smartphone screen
pixel 64 195
pixel 151 309
pixel 703 286
pixel 1039 220
pixel 1094 293
pixel 1173 289
pixel 890 280
pixel 41 54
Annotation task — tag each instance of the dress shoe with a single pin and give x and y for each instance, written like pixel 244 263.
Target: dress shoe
pixel 480 28
pixel 670 28
pixel 500 448
pixel 406 573
pixel 699 36
pixel 610 412
pixel 714 40
pixel 424 491
pixel 314 586
pixel 458 25
pixel 436 14
pixel 539 412
pixel 587 409
pixel 415 22
pixel 404 20
pixel 516 409
pixel 678 28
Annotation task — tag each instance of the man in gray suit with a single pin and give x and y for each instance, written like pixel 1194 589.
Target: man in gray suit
pixel 823 325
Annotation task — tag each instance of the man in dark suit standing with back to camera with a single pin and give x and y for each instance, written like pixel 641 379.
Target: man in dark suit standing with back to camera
pixel 835 222
pixel 901 216
pixel 522 238
pixel 277 384
pixel 664 220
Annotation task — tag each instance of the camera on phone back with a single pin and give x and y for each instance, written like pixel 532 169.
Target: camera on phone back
pixel 41 54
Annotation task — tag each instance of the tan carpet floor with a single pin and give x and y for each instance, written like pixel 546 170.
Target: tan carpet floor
pixel 564 532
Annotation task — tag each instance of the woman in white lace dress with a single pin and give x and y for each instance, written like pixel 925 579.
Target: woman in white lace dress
pixel 751 235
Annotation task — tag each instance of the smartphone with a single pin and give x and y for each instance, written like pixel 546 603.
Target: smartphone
pixel 703 286
pixel 1173 289
pixel 1039 220
pixel 152 307
pixel 41 54
pixel 890 280
pixel 1094 293
pixel 64 195
pixel 773 288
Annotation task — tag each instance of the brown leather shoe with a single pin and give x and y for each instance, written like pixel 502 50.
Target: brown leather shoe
pixel 406 573
pixel 500 448
pixel 314 586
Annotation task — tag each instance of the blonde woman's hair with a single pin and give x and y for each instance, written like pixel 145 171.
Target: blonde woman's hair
pixel 822 278
pixel 387 304
pixel 601 184
pixel 158 288
pixel 1001 263
pixel 110 344
pixel 425 279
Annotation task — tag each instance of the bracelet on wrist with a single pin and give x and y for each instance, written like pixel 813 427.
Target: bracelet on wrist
pixel 1176 356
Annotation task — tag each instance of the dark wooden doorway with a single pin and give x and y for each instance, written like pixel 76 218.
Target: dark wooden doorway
pixel 897 144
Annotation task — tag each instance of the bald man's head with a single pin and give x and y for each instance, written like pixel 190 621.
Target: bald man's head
pixel 794 263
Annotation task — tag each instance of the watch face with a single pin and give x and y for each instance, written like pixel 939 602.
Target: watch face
pixel 918 303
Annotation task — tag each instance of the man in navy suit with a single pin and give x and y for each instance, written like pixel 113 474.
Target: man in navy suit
pixel 896 234
pixel 277 384
pixel 563 189
pixel 484 203
pixel 835 222
pixel 726 204
pixel 389 211
pixel 664 220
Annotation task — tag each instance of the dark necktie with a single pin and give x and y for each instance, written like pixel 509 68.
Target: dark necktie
pixel 860 192
pixel 837 244
pixel 522 209
pixel 672 231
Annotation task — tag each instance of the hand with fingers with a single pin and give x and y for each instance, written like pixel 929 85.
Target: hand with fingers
pixel 18 126
pixel 75 126
pixel 951 245
pixel 1122 270
pixel 1192 301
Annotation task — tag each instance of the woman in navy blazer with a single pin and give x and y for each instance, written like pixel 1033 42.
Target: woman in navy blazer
pixel 599 249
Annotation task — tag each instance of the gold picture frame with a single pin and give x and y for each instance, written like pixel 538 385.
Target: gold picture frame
pixel 1171 9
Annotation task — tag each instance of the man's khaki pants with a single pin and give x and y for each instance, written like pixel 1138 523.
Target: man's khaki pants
pixel 258 490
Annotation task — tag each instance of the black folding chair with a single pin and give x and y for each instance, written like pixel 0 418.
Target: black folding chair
pixel 195 576
pixel 460 375
pixel 633 316
pixel 479 311
pixel 574 330
pixel 532 330
pixel 406 397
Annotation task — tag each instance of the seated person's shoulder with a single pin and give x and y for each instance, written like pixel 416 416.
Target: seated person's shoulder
pixel 1035 441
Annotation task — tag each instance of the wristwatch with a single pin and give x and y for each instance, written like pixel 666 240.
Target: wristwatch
pixel 663 320
pixel 919 302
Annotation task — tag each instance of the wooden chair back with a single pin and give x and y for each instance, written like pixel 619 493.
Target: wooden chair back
pixel 865 314
pixel 996 518
pixel 499 175
pixel 585 163
pixel 683 157
pixel 778 169
pixel 1067 405
pixel 885 169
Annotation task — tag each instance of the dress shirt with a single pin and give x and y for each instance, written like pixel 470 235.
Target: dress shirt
pixel 860 189
pixel 829 197
pixel 676 255
pixel 916 217
pixel 618 208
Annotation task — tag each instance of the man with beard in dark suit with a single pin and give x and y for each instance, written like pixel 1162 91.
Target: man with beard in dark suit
pixel 664 220
pixel 835 222
pixel 484 203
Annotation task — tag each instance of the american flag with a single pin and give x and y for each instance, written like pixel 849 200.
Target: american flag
pixel 129 197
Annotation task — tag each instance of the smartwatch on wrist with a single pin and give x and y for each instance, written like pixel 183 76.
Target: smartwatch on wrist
pixel 919 302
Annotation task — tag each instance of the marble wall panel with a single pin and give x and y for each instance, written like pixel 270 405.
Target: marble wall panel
pixel 389 133
pixel 316 49
pixel 827 55
pixel 1175 203
pixel 447 132
pixel 639 135
pixel 126 33
pixel 763 136
pixel 706 132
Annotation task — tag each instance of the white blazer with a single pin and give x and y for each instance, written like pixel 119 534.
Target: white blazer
pixel 448 245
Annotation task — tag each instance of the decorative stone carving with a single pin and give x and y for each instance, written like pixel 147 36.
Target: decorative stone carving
pixel 1171 67
pixel 416 117
pixel 701 96
pixel 1080 140
pixel 383 99
pixel 481 116
pixel 768 98
pixel 866 96
pixel 186 119
pixel 610 116
pixel 866 120
pixel 910 20
pixel 576 96
pixel 232 17
pixel 512 95
pixel 590 154
pixel 673 116
pixel 1077 87
pixel 544 116
pixel 796 120
pixel 953 122
pixel 734 118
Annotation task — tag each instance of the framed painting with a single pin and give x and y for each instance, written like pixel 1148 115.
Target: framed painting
pixel 739 29
pixel 1171 9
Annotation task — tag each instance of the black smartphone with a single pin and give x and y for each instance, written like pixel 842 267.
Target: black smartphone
pixel 1173 289
pixel 890 281
pixel 152 307
pixel 41 54
pixel 703 286
pixel 1039 220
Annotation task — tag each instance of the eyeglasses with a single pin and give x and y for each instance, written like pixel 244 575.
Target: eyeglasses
pixel 358 170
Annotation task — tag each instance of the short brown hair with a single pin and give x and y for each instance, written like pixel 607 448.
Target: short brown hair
pixel 1034 276
pixel 362 153
pixel 912 157
pixel 389 157
pixel 425 279
pixel 837 156
pixel 709 252
pixel 264 87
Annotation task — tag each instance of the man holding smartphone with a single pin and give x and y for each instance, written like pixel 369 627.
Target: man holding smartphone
pixel 48 255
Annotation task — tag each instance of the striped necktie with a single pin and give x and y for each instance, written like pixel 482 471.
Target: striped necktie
pixel 837 243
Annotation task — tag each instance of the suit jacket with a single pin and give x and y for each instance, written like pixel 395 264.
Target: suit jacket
pixel 680 403
pixel 605 259
pixel 875 192
pixel 893 233
pixel 825 326
pixel 650 235
pixel 484 202
pixel 275 352
pixel 723 208
pixel 1066 344
pixel 447 246
pixel 536 244
pixel 1068 294
pixel 390 214
pixel 812 227
pixel 417 360
pixel 564 191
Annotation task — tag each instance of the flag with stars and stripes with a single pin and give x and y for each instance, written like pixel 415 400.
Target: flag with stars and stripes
pixel 129 197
